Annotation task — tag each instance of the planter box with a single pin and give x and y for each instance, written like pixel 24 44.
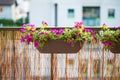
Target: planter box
pixel 115 49
pixel 59 46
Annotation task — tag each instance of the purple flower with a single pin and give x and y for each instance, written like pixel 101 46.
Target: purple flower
pixel 107 43
pixel 25 25
pixel 78 35
pixel 86 30
pixel 22 30
pixel 78 24
pixel 31 35
pixel 29 40
pixel 110 44
pixel 119 27
pixel 104 43
pixel 32 30
pixel 54 31
pixel 95 38
pixel 61 31
pixel 57 32
pixel 22 39
pixel 44 23
pixel 44 33
pixel 92 32
pixel 70 42
pixel 27 36
pixel 89 30
pixel 31 25
pixel 36 43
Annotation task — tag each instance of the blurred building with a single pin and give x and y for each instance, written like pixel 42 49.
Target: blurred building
pixel 23 8
pixel 8 9
pixel 65 13
pixel 11 9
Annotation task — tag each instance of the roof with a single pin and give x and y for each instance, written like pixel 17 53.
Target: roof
pixel 7 2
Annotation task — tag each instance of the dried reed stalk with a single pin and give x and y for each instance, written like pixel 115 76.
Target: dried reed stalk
pixel 66 61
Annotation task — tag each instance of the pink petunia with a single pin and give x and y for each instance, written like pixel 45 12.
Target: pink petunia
pixel 22 39
pixel 78 35
pixel 44 33
pixel 31 35
pixel 44 23
pixel 70 42
pixel 78 24
pixel 29 40
pixel 119 27
pixel 57 32
pixel 36 43
pixel 110 44
pixel 22 30
pixel 32 30
pixel 107 43
pixel 61 31
pixel 95 38
pixel 89 30
pixel 31 25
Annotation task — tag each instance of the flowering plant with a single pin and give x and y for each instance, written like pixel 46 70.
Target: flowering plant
pixel 110 38
pixel 42 35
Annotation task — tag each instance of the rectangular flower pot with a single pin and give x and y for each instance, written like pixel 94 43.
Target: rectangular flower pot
pixel 60 46
pixel 115 49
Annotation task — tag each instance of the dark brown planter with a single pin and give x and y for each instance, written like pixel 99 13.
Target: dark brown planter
pixel 59 46
pixel 115 49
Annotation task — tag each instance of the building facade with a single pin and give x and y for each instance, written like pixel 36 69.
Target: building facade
pixel 14 9
pixel 7 9
pixel 65 13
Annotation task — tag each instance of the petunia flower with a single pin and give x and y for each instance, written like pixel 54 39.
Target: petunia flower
pixel 31 25
pixel 57 32
pixel 36 43
pixel 44 33
pixel 78 25
pixel 70 42
pixel 31 35
pixel 119 27
pixel 61 31
pixel 107 43
pixel 29 40
pixel 78 35
pixel 95 38
pixel 23 30
pixel 22 39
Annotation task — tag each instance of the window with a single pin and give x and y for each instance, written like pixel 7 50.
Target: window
pixel 111 13
pixel 91 16
pixel 71 13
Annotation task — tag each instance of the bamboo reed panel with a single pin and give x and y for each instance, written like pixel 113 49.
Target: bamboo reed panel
pixel 39 70
pixel 79 66
pixel 52 66
pixel 114 78
pixel 102 64
pixel 66 61
pixel 20 61
pixel 91 45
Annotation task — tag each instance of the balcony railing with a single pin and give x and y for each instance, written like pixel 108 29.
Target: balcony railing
pixel 20 61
